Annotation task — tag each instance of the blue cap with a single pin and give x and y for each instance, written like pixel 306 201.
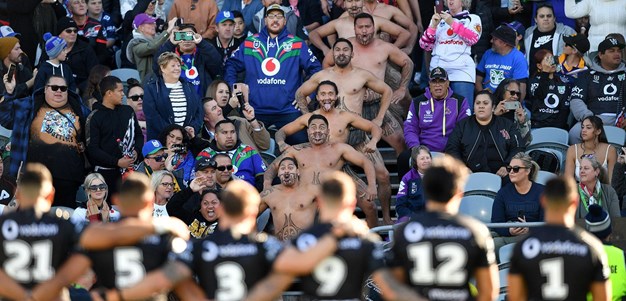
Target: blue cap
pixel 151 147
pixel 224 16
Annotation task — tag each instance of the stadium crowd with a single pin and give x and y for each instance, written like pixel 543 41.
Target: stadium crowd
pixel 150 145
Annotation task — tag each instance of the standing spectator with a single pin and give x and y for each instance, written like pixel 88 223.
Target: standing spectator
pixel 248 9
pixel 501 61
pixel 410 198
pixel 594 188
pixel 508 94
pixel 571 60
pixel 134 98
pixel 48 128
pixel 145 43
pixel 80 56
pixel 618 180
pixel 90 30
pixel 201 14
pixel 548 95
pixel 273 80
pixel 309 12
pixel 96 209
pixel 593 145
pixel 597 90
pixel 92 93
pixel 95 11
pixel 19 14
pixel 56 49
pixel 220 91
pixel 113 134
pixel 605 17
pixel 450 36
pixel 547 34
pixel 11 54
pixel 292 23
pixel 225 42
pixel 169 98
pixel 163 185
pixel 240 31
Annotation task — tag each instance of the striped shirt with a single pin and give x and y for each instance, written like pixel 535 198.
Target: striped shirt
pixel 179 102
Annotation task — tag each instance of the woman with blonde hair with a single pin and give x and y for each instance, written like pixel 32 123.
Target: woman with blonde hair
pixel 163 185
pixel 97 209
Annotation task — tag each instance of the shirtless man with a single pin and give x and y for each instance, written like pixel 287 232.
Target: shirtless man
pixel 343 124
pixel 321 156
pixel 291 202
pixel 342 27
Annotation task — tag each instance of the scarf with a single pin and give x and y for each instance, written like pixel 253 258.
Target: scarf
pixel 590 197
pixel 95 214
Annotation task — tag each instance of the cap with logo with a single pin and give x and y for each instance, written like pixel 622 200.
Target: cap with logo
pixel 506 34
pixel 610 43
pixel 224 16
pixel 578 41
pixel 518 27
pixel 142 19
pixel 7 31
pixel 204 163
pixel 438 73
pixel 274 7
pixel 151 147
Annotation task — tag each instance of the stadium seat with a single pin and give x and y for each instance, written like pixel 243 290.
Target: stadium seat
pixel 118 58
pixel 505 252
pixel 436 154
pixel 616 136
pixel 543 177
pixel 561 155
pixel 503 274
pixel 477 206
pixel 125 73
pixel 549 135
pixel 483 183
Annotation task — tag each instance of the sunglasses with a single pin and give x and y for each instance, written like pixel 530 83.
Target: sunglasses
pixel 275 17
pixel 513 93
pixel 224 167
pixel 136 97
pixel 57 88
pixel 514 169
pixel 98 187
pixel 70 30
pixel 167 184
pixel 159 158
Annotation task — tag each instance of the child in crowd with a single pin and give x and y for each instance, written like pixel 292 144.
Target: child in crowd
pixel 57 53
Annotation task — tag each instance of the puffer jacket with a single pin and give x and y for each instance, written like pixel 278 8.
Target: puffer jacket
pixel 141 49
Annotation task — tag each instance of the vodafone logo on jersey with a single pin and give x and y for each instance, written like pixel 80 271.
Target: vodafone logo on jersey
pixel 270 66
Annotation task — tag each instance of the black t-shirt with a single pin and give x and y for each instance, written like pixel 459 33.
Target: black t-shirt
pixel 440 252
pixel 541 40
pixel 342 275
pixel 126 266
pixel 227 267
pixel 33 248
pixel 559 263
pixel 548 101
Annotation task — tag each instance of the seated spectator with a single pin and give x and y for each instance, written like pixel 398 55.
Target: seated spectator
pixel 548 94
pixel 11 54
pixel 96 209
pixel 220 91
pixel 508 94
pixel 485 142
pixel 519 33
pixel 80 56
pixel 145 43
pixel 153 158
pixel 546 34
pixel 90 30
pixel 517 201
pixel 224 169
pixel 593 145
pixel 605 17
pixel 163 185
pixel 199 13
pixel 248 9
pixel 594 188
pixel 571 60
pixel 410 198
pixel 239 31
pixel 92 93
pixel 169 98
pixel 7 185
pixel 224 41
pixel 134 98
pixel 179 160
pixel 55 65
pixel 618 180
pixel 96 12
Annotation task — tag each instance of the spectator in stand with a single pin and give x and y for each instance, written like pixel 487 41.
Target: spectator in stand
pixel 548 94
pixel 594 188
pixel 146 42
pixel 450 36
pixel 134 98
pixel 597 91
pixel 90 30
pixel 92 93
pixel 593 145
pixel 248 9
pixel 292 21
pixel 508 95
pixel 7 185
pixel 519 33
pixel 618 180
pixel 512 10
pixel 410 197
pixel 239 31
pixel 48 128
pixel 11 54
pixel 432 117
pixel 485 142
pixel 226 99
pixel 201 62
pixel 80 56
pixel 56 49
pixel 310 12
pixel 571 60
pixel 517 201
pixel 148 7
pixel 620 39
pixel 502 61
pixel 96 208
pixel 605 17
pixel 20 15
pixel 225 42
pixel 224 170
pixel 113 134
pixel 546 34
pixel 163 185
pixel 199 13
pixel 153 158
pixel 180 159
pixel 96 12
pixel 169 98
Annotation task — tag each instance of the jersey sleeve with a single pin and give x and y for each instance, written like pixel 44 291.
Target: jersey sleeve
pixel 376 258
pixel 485 243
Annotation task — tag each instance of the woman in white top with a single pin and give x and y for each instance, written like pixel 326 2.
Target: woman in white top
pixel 594 145
pixel 163 185
pixel 97 208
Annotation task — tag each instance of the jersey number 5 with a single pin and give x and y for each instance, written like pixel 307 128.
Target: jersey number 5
pixel 21 256
pixel 129 269
pixel 450 271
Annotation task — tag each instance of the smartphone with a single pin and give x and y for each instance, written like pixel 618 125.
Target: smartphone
pixel 183 36
pixel 240 98
pixel 11 72
pixel 511 105
pixel 520 214
pixel 438 6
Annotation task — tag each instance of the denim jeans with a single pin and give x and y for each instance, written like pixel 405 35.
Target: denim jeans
pixel 465 89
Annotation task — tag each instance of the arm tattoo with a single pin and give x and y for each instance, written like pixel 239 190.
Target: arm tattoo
pixel 405 75
pixel 302 103
pixel 267 192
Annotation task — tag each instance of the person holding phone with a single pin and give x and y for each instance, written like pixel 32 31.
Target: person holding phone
pixel 548 95
pixel 510 106
pixel 146 42
pixel 13 57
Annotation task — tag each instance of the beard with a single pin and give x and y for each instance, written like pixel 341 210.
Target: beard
pixel 288 179
pixel 342 61
pixel 364 39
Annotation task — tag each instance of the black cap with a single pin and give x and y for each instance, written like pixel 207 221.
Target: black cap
pixel 609 43
pixel 204 163
pixel 506 34
pixel 65 23
pixel 578 41
pixel 438 73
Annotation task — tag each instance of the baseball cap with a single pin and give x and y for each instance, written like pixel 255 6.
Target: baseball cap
pixel 518 27
pixel 506 34
pixel 7 31
pixel 438 73
pixel 151 147
pixel 578 41
pixel 610 43
pixel 204 163
pixel 224 16
pixel 597 221
pixel 274 7
pixel 141 19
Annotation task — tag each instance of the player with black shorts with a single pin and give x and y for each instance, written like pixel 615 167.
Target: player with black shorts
pixel 437 251
pixel 559 261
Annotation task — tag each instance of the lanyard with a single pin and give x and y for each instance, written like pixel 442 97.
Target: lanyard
pixel 432 109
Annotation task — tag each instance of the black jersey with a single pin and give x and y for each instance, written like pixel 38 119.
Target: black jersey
pixel 559 263
pixel 125 266
pixel 32 248
pixel 228 267
pixel 440 253
pixel 342 275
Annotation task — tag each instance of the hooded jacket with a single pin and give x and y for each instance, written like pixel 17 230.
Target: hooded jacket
pixel 557 48
pixel 46 69
pixel 141 49
pixel 273 70
pixel 81 60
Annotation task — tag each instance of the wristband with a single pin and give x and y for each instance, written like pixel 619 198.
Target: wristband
pixel 159 226
pixel 251 120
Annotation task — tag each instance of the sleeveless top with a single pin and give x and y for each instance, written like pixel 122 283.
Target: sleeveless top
pixel 605 165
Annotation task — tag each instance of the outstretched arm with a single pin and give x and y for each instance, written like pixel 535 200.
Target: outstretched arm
pixel 379 86
pixel 161 280
pixel 75 266
pixel 367 126
pixel 351 155
pixel 270 287
pixel 11 289
pixel 305 90
pixel 406 69
pixel 402 35
pixel 290 129
pixel 392 289
pixel 316 36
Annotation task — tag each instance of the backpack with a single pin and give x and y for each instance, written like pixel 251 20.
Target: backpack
pixel 546 159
